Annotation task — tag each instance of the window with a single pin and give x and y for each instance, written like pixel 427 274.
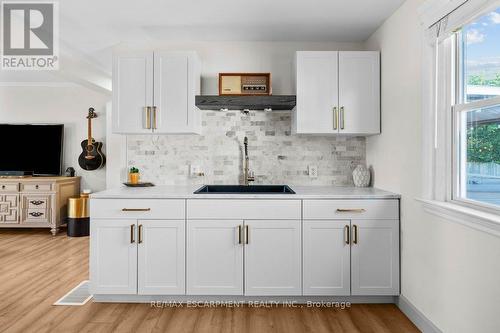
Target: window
pixel 476 113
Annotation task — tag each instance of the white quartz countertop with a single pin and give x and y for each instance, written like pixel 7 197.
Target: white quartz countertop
pixel 302 192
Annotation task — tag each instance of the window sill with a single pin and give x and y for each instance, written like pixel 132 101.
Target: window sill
pixel 470 217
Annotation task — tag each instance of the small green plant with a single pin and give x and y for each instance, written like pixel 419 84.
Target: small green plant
pixel 134 170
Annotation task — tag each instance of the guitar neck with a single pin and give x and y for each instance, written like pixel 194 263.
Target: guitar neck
pixel 89 133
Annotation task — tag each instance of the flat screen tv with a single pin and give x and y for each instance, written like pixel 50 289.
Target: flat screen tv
pixel 31 149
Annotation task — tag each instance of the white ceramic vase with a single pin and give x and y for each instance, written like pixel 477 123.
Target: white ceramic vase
pixel 361 176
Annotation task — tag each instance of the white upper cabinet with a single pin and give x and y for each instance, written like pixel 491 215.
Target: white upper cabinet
pixel 337 92
pixel 359 92
pixel 176 82
pixel 132 92
pixel 317 92
pixel 154 92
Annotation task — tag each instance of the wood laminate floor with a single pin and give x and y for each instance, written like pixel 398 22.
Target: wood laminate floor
pixel 36 269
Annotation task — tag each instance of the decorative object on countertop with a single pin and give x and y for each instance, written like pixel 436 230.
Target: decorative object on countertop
pixel 134 175
pixel 70 172
pixel 139 184
pixel 78 216
pixel 241 84
pixel 361 176
pixel 91 158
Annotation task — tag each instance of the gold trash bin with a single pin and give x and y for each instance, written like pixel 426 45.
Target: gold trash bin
pixel 78 216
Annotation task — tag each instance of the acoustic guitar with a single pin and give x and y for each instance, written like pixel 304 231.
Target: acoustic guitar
pixel 91 157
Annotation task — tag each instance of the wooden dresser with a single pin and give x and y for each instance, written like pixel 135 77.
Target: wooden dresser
pixel 36 202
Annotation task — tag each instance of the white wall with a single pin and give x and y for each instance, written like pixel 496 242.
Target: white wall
pixel 448 271
pixel 60 103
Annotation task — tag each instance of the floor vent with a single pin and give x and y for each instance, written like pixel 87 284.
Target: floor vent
pixel 77 296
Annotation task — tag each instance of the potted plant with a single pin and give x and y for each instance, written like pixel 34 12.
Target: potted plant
pixel 133 175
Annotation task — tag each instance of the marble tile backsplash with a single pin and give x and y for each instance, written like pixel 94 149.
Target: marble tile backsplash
pixel 276 156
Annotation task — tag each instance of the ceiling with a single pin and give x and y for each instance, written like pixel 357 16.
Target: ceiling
pixel 94 27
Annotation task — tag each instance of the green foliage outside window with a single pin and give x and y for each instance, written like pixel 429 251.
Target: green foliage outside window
pixel 483 143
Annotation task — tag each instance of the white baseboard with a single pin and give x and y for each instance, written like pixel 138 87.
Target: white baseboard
pixel 417 317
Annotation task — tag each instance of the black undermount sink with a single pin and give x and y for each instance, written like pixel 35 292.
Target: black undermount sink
pixel 244 189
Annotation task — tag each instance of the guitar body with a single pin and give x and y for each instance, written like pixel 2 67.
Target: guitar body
pixel 92 157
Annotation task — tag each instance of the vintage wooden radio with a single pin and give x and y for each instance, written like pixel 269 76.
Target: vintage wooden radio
pixel 241 84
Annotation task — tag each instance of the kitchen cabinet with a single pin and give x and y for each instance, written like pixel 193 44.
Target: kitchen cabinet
pixel 113 256
pixel 375 257
pixel 214 257
pixel 337 93
pixel 351 247
pixel 327 258
pixel 154 92
pixel 273 258
pixel 161 257
pixel 144 257
pixel 265 254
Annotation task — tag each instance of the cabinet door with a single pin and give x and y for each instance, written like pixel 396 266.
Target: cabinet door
pixel 214 257
pixel 375 257
pixel 317 92
pixel 132 92
pixel 273 258
pixel 161 257
pixel 176 83
pixel 113 256
pixel 359 92
pixel 327 258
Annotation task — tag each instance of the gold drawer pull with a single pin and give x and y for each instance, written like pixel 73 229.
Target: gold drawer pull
pixel 351 210
pixel 136 209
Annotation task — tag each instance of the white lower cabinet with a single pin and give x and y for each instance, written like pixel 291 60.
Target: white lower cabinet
pixel 266 254
pixel 214 257
pixel 144 257
pixel 375 257
pixel 113 256
pixel 161 257
pixel 273 258
pixel 327 258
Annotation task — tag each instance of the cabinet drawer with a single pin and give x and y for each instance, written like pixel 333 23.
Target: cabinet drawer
pixel 243 209
pixel 36 202
pixel 351 209
pixel 138 208
pixel 36 216
pixel 9 187
pixel 36 187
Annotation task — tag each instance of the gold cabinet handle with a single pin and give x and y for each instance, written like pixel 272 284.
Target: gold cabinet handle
pixel 240 229
pixel 351 210
pixel 335 118
pixel 147 110
pixel 154 117
pixel 136 209
pixel 355 234
pixel 140 233
pixel 342 118
pixel 247 234
pixel 132 233
pixel 347 236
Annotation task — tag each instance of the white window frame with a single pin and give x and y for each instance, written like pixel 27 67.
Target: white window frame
pixel 439 115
